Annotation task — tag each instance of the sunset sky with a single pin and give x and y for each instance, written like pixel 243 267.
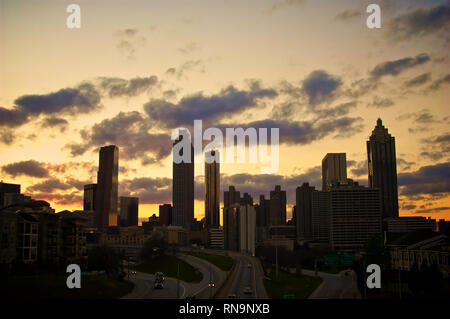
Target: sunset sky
pixel 136 70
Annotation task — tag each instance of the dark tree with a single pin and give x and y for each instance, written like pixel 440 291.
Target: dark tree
pixel 154 248
pixel 104 258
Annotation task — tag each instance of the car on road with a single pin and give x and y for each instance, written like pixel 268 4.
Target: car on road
pixel 247 290
pixel 133 272
pixel 158 285
pixel 211 284
pixel 250 265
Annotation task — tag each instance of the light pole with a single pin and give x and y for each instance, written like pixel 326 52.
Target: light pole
pixel 210 282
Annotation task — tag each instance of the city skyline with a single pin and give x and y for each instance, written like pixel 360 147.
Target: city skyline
pixel 129 80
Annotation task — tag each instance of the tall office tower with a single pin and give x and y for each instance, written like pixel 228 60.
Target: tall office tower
pixel 90 192
pixel 183 190
pixel 247 229
pixel 263 213
pixel 231 196
pixel 212 189
pixel 382 165
pixel 129 211
pixel 165 215
pixel 355 215
pixel 240 228
pixel 230 231
pixel 334 168
pixel 304 211
pixel 321 211
pixel 277 206
pixel 7 189
pixel 107 187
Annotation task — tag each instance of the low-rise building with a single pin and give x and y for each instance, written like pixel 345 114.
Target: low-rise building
pixel 407 224
pixel 216 238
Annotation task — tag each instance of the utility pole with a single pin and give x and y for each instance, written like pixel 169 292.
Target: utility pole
pixel 210 282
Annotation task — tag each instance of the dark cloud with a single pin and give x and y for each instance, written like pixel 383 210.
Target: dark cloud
pixel 358 168
pixel 55 122
pixel 116 87
pixel 437 147
pixel 187 66
pixel 130 132
pixel 347 15
pixel 229 101
pixel 437 84
pixel 421 117
pixel 404 164
pixel 7 136
pixel 432 179
pixel 418 80
pixel 129 42
pixel 49 186
pixel 379 102
pixel 419 23
pixel 12 117
pixel 30 168
pixel 149 190
pixel 408 207
pixel 82 99
pixel 396 67
pixel 305 132
pixel 74 198
pixel 337 111
pixel 432 210
pixel 320 86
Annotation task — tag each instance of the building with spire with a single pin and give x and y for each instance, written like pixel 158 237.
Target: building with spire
pixel 382 165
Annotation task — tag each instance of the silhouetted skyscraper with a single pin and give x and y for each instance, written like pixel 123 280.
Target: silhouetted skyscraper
pixel 334 168
pixel 183 190
pixel 129 211
pixel 212 189
pixel 263 212
pixel 277 206
pixel 165 215
pixel 304 211
pixel 107 187
pixel 90 192
pixel 382 165
pixel 231 196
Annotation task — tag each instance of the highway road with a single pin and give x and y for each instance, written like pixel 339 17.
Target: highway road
pixel 143 288
pixel 335 286
pixel 210 273
pixel 244 277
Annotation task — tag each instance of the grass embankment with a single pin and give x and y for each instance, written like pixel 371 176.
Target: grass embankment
pixel 54 287
pixel 301 286
pixel 223 262
pixel 168 265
